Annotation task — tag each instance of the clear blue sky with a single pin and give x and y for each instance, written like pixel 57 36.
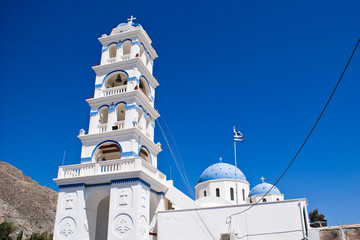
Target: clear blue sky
pixel 268 66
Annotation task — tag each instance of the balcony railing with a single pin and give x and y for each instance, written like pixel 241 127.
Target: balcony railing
pixel 119 125
pixel 111 60
pixel 125 57
pixel 114 90
pixel 102 127
pixel 109 167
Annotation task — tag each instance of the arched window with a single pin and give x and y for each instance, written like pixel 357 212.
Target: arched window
pixel 264 200
pixel 144 87
pixel 103 115
pixel 141 119
pixel 232 194
pixel 144 154
pixel 218 192
pixel 243 193
pixel 107 151
pixel 126 46
pixel 115 80
pixel 204 193
pixel 120 116
pixel 277 199
pixel 112 50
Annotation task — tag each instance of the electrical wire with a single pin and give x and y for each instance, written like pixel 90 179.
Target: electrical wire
pixel 187 184
pixel 228 220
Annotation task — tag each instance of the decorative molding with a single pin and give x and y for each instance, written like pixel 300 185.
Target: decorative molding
pixel 71 186
pixel 130 180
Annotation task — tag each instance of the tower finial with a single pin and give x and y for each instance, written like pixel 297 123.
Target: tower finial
pixel 220 158
pixel 131 19
pixel 262 179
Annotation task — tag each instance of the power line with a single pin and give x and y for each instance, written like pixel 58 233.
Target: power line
pixel 302 145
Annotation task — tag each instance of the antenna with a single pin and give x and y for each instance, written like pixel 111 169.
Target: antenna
pixel 63 157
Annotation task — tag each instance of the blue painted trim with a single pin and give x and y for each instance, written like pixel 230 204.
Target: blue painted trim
pixel 107 47
pixel 103 106
pixel 92 154
pixel 132 106
pixel 129 180
pixel 127 75
pixel 157 193
pixel 87 159
pixel 142 146
pixel 71 186
pixel 119 103
pixel 93 113
pixel 98 85
pixel 97 185
pixel 133 79
pixel 129 154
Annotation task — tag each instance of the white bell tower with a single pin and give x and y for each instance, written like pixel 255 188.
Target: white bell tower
pixel 116 189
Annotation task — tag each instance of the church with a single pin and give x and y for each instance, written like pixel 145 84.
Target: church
pixel 117 192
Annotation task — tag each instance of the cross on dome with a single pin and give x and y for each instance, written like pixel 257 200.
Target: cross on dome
pixel 131 19
pixel 220 159
pixel 262 179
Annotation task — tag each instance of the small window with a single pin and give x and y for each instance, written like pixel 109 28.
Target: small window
pixel 277 199
pixel 243 192
pixel 205 193
pixel 264 200
pixel 232 194
pixel 218 192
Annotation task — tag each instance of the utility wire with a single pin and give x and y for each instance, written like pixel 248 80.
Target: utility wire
pixel 176 162
pixel 228 220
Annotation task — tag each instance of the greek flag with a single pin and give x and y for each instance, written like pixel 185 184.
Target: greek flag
pixel 238 136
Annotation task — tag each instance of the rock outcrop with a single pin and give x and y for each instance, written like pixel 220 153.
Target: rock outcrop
pixel 30 206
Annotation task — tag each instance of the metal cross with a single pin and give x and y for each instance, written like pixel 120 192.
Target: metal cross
pixel 131 18
pixel 262 179
pixel 220 159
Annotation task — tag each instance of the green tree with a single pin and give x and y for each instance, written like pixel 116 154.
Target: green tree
pixel 6 228
pixel 19 236
pixel 315 216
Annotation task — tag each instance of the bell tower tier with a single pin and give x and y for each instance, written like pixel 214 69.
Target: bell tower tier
pixel 116 189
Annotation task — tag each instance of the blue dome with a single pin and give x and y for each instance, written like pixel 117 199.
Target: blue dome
pixel 263 188
pixel 221 171
pixel 128 23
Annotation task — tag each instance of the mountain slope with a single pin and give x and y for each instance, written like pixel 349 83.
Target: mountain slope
pixel 30 206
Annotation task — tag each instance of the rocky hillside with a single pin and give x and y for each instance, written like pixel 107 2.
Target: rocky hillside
pixel 30 206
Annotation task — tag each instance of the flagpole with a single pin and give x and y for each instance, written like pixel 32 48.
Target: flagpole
pixel 235 170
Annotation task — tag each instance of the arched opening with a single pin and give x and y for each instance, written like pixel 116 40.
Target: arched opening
pixel 147 59
pixel 126 46
pixel 144 154
pixel 102 219
pixel 218 192
pixel 141 119
pixel 103 115
pixel 97 211
pixel 107 151
pixel 117 79
pixel 277 199
pixel 142 50
pixel 112 51
pixel 264 200
pixel 204 193
pixel 144 87
pixel 243 194
pixel 232 194
pixel 120 116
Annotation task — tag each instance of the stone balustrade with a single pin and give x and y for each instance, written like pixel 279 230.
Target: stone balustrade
pixel 114 90
pixel 109 167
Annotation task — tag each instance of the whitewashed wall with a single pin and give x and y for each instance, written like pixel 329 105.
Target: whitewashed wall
pixel 275 220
